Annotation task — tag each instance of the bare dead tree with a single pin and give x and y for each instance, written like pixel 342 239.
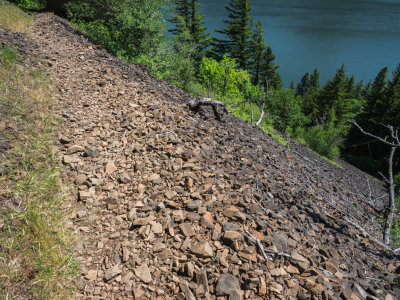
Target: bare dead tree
pixel 393 142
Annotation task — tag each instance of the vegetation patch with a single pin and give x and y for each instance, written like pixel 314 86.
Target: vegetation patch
pixel 35 243
pixel 13 18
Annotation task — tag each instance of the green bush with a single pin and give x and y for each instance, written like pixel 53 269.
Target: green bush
pixel 224 77
pixel 31 4
pixel 323 141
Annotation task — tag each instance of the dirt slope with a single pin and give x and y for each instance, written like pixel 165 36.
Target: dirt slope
pixel 170 201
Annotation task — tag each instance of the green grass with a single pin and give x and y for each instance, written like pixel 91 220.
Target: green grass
pixel 8 56
pixel 13 18
pixel 35 243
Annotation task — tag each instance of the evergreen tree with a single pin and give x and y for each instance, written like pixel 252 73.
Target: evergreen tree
pixel 261 65
pixel 186 17
pixel 257 48
pixel 236 34
pixel 304 85
pixel 268 72
pixel 180 16
pixel 375 102
pixel 393 96
pixel 291 86
pixel 331 96
pixel 307 88
pixel 201 38
pixel 314 84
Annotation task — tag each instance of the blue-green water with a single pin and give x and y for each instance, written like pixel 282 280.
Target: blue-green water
pixel 323 34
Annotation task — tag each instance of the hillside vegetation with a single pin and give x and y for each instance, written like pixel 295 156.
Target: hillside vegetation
pixel 35 245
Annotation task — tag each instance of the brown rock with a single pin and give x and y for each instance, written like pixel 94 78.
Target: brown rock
pixel 202 249
pixel 143 273
pixel 349 295
pixel 112 273
pixel 74 149
pixel 110 167
pixel 153 177
pixel 186 290
pixel 124 178
pixel 187 230
pixel 143 221
pixel 292 270
pixel 189 269
pixel 227 283
pixel 91 275
pixel 80 179
pixel 84 195
pixel 207 220
pixel 262 286
pixel 300 261
pixel 232 239
pixel 330 267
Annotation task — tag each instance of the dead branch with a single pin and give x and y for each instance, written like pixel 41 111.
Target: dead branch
pixel 262 250
pixel 393 133
pixel 259 245
pixel 262 110
pixel 354 224
pixel 195 103
pixel 236 104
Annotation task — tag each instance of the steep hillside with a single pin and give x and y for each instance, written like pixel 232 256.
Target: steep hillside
pixel 174 204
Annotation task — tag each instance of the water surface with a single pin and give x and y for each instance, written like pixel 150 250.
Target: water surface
pixel 323 34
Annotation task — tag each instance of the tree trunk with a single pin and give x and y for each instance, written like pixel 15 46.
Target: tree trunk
pixel 251 106
pixel 390 211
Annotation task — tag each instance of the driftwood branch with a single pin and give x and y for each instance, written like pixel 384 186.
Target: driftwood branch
pixel 263 251
pixel 195 103
pixel 354 224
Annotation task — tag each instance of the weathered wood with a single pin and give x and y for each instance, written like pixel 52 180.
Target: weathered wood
pixel 195 103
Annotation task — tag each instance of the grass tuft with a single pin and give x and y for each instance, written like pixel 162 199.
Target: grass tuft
pixel 8 56
pixel 13 18
pixel 35 243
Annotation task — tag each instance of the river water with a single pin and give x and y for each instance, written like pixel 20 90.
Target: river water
pixel 323 34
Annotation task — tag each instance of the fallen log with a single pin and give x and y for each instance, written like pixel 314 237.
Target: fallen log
pixel 195 103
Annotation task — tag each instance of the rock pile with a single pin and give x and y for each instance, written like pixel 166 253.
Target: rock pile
pixel 174 204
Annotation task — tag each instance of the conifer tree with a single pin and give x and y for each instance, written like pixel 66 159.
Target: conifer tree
pixel 186 17
pixel 375 102
pixel 393 96
pixel 181 16
pixel 199 34
pixel 257 48
pixel 304 85
pixel 261 65
pixel 236 34
pixel 307 88
pixel 268 70
pixel 315 80
pixel 331 96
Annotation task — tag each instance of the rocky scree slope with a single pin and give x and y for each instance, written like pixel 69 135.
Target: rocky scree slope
pixel 173 204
